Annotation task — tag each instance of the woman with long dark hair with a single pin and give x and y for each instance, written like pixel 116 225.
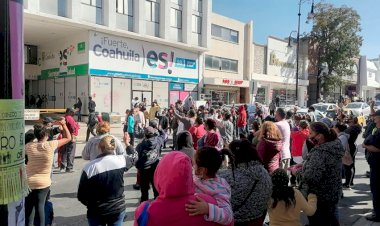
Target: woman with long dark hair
pixel 322 174
pixel 250 183
pixel 287 203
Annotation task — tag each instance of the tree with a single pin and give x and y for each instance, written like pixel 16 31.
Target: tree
pixel 337 41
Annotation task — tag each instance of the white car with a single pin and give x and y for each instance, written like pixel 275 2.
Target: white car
pixel 358 109
pixel 322 107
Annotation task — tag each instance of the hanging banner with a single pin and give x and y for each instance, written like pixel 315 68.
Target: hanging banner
pixel 12 171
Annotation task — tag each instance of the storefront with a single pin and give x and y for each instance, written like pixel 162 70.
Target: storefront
pixel 181 91
pixel 226 91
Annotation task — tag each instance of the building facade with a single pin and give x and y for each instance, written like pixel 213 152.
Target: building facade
pixel 227 64
pixel 115 51
pixel 274 72
pixel 370 78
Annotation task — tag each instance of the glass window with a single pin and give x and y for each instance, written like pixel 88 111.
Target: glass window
pixel 175 18
pixel 152 11
pixel 197 24
pixel 177 2
pixel 124 7
pixel 223 64
pixel 96 3
pixel 225 33
pixel 197 5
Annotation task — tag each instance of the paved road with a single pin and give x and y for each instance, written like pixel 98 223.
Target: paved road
pixel 69 211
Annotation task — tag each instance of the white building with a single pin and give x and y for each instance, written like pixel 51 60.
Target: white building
pixel 115 50
pixel 274 72
pixel 369 78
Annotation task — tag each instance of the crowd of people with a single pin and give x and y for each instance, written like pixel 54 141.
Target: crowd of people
pixel 222 168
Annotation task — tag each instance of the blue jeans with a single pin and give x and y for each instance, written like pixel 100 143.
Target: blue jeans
pixel 112 220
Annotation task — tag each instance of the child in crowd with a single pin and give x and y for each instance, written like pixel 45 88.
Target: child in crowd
pixel 207 162
pixel 287 203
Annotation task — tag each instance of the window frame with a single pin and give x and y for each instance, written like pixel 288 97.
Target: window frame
pixel 93 3
pixel 199 28
pixel 218 61
pixel 176 25
pixel 224 31
pixel 123 7
pixel 153 16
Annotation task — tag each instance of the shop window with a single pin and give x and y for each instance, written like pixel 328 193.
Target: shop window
pixel 30 54
pixel 124 7
pixel 224 33
pixel 176 18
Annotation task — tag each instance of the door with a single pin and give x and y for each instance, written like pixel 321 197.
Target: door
pixel 148 96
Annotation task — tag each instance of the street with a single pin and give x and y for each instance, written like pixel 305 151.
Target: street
pixel 69 211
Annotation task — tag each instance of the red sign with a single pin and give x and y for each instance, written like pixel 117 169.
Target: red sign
pixel 232 82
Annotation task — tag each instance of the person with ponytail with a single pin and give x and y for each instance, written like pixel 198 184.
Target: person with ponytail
pixel 207 162
pixel 322 174
pixel 286 203
pixel 251 185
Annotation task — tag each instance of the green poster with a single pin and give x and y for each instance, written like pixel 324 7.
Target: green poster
pixel 13 183
pixel 81 47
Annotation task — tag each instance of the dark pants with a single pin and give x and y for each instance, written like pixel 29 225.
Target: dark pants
pixel 112 220
pixel 349 173
pixel 68 155
pixel 131 139
pixel 325 215
pixel 79 115
pixel 271 112
pixel 146 178
pixel 175 139
pixel 35 203
pixel 90 129
pixel 375 188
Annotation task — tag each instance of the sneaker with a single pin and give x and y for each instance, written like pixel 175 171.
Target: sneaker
pixel 373 218
pixel 136 186
pixel 62 171
pixel 70 171
pixel 346 187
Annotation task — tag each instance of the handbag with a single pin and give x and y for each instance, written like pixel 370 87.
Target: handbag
pixel 142 220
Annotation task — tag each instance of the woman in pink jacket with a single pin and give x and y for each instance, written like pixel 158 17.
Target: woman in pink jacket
pixel 174 182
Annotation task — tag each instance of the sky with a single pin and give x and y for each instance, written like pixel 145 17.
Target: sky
pixel 279 17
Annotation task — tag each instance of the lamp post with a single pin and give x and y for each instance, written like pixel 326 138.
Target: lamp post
pixel 310 16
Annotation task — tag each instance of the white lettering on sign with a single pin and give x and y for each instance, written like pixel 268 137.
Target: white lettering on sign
pixel 31 114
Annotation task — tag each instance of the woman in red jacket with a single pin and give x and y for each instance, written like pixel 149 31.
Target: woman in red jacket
pixel 242 120
pixel 197 131
pixel 298 139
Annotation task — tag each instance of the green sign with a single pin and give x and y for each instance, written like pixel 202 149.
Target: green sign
pixel 75 70
pixel 81 47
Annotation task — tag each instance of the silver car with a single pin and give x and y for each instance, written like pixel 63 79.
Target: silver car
pixel 358 109
pixel 322 107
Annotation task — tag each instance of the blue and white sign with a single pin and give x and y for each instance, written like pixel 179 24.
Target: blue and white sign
pixel 176 86
pixel 129 58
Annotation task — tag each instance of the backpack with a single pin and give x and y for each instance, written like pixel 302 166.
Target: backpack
pixel 94 121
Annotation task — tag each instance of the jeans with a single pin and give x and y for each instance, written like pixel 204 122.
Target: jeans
pixel 112 220
pixel 146 178
pixel 68 155
pixel 375 188
pixel 131 139
pixel 35 203
pixel 325 215
pixel 79 114
pixel 90 129
pixel 241 130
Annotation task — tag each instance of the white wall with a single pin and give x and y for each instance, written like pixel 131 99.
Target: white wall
pixel 121 95
pixel 59 84
pixel 82 92
pixel 101 93
pixel 70 92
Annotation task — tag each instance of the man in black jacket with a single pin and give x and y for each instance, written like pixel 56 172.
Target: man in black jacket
pixel 149 151
pixel 91 105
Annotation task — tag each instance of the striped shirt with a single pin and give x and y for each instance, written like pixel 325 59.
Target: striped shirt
pixel 40 160
pixel 220 190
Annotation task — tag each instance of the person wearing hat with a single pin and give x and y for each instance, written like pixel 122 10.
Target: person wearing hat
pixel 68 151
pixel 149 151
pixel 372 145
pixel 286 203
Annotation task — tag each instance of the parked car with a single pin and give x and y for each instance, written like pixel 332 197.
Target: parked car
pixel 304 111
pixel 358 109
pixel 323 107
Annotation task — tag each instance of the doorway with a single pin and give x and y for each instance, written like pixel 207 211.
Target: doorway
pixel 143 94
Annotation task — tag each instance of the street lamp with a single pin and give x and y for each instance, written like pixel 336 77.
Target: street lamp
pixel 310 16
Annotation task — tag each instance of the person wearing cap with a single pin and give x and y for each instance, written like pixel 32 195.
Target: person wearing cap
pixel 372 145
pixel 149 151
pixel 101 186
pixel 68 151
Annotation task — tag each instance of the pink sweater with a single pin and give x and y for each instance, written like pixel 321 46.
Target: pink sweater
pixel 219 189
pixel 174 181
